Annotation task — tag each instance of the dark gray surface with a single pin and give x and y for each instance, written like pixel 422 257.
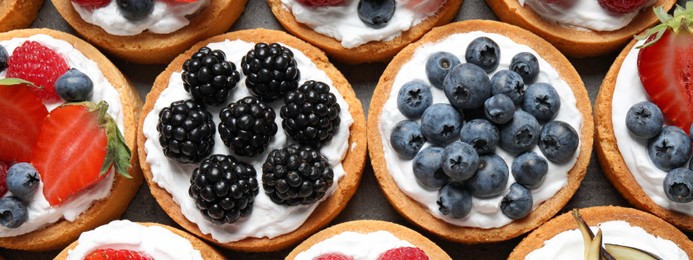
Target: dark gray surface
pixel 369 202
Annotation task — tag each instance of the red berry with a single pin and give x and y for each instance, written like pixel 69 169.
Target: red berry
pixel 334 256
pixel 317 3
pixel 3 173
pixel 113 254
pixel 622 6
pixel 92 3
pixel 38 64
pixel 21 116
pixel 404 253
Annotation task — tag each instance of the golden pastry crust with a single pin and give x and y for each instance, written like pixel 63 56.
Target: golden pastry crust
pixel 61 233
pixel 379 51
pixel 353 162
pixel 595 215
pixel 432 250
pixel 151 48
pixel 419 214
pixel 610 158
pixel 207 251
pixel 17 14
pixel 573 42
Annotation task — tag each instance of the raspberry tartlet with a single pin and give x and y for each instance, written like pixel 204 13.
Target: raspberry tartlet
pixel 337 28
pixel 561 237
pixel 17 14
pixel 471 166
pixel 263 187
pixel 152 240
pixel 635 163
pixel 60 140
pixel 580 28
pixel 153 34
pixel 367 239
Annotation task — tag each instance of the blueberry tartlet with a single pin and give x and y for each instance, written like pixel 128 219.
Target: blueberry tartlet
pixel 482 131
pixel 17 14
pixel 252 140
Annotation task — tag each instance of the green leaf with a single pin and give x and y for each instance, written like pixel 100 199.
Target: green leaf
pixel 118 153
pixel 14 81
pixel 682 19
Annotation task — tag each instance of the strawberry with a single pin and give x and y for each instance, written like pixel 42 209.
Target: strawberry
pixel 665 64
pixel 318 3
pixel 92 3
pixel 77 146
pixel 38 64
pixel 334 256
pixel 622 6
pixel 404 253
pixel 116 254
pixel 21 113
pixel 4 167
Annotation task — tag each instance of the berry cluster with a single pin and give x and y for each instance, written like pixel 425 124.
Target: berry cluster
pixel 209 77
pixel 296 175
pixel 508 111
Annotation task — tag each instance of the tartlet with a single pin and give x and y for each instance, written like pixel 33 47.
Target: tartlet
pixel 377 51
pixel 16 14
pixel 151 48
pixel 63 232
pixel 575 42
pixel 418 213
pixel 353 161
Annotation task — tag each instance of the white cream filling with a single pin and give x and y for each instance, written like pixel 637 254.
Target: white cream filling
pixel 267 219
pixel 359 246
pixel 582 14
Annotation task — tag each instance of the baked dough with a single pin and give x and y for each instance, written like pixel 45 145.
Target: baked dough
pixel 61 233
pixel 17 14
pixel 353 161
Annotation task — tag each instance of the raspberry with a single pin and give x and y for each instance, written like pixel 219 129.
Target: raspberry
pixel 334 256
pixel 320 2
pixel 404 253
pixel 92 3
pixel 4 167
pixel 38 64
pixel 622 6
pixel 109 253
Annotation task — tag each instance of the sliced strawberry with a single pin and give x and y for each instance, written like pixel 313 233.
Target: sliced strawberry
pixel 4 167
pixel 21 115
pixel 38 64
pixel 116 254
pixel 666 67
pixel 77 146
pixel 404 253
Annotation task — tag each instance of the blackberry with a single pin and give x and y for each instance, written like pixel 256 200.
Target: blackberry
pixel 296 175
pixel 247 126
pixel 224 188
pixel 311 114
pixel 186 131
pixel 209 77
pixel 270 71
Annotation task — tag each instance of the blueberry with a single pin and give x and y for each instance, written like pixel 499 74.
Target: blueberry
pixel 454 201
pixel 525 64
pixel 529 169
pixel 13 212
pixel 517 203
pixel 521 134
pixel 74 86
pixel 22 180
pixel 376 13
pixel 438 65
pixel 678 185
pixel 542 101
pixel 484 53
pixel 3 58
pixel 499 109
pixel 467 86
pixel 427 168
pixel 558 141
pixel 460 161
pixel 509 83
pixel 135 10
pixel 481 134
pixel 407 139
pixel 491 178
pixel 441 123
pixel 644 119
pixel 413 98
pixel 670 149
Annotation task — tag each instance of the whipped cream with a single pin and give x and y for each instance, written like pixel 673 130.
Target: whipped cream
pixel 569 244
pixel 267 219
pixel 356 245
pixel 342 22
pixel 485 213
pixel 40 213
pixel 582 14
pixel 165 17
pixel 154 241
pixel 629 90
